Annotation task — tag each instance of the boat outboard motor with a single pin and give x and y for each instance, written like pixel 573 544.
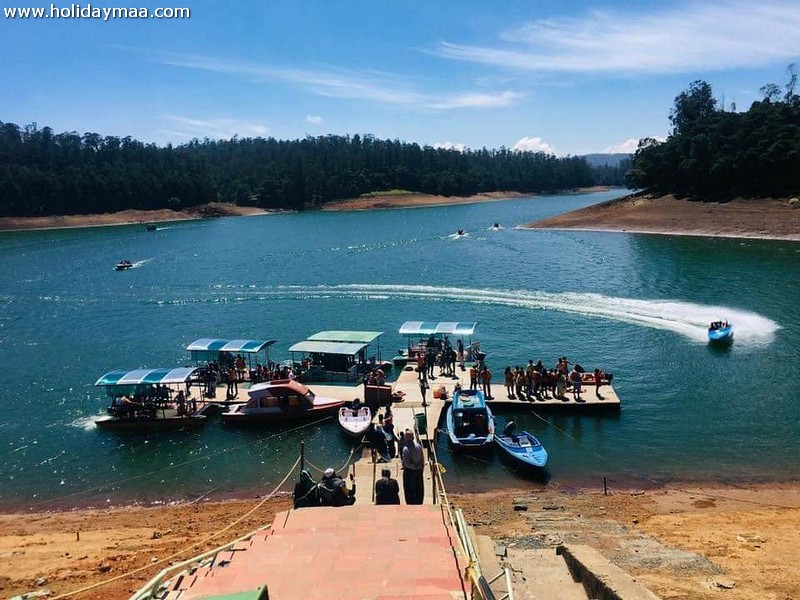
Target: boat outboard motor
pixel 509 428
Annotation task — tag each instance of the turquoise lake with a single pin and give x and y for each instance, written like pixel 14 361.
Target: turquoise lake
pixel 636 305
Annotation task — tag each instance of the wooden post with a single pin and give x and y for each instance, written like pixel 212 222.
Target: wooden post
pixel 605 487
pixel 77 536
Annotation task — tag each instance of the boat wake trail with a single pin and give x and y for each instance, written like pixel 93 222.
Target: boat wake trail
pixel 139 263
pixel 685 318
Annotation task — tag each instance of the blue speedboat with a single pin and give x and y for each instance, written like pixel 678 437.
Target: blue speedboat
pixel 720 332
pixel 523 448
pixel 470 422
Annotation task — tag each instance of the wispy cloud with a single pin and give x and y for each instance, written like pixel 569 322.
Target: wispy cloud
pixel 680 38
pixel 533 144
pixel 382 88
pixel 313 119
pixel 188 128
pixel 628 147
pixel 458 146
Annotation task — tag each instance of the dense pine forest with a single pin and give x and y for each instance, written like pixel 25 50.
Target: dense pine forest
pixel 717 154
pixel 44 173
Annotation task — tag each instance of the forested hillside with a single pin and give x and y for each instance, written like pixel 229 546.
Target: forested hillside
pixel 714 153
pixel 44 173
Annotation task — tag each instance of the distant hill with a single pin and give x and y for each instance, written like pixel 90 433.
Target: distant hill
pixel 606 160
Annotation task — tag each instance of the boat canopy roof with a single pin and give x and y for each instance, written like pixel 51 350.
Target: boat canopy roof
pixel 363 337
pixel 247 346
pixel 320 347
pixel 147 376
pixel 432 327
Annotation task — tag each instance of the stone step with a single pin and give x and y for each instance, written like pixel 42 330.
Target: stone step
pixel 542 575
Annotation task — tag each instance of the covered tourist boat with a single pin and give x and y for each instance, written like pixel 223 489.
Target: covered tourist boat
pixel 151 398
pixel 470 422
pixel 421 335
pixel 720 332
pixel 522 448
pixel 281 400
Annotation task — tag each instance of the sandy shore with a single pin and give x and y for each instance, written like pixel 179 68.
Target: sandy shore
pixel 414 200
pixel 677 541
pixel 127 217
pixel 752 218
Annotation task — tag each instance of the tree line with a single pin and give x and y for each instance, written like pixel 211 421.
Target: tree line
pixel 44 173
pixel 716 153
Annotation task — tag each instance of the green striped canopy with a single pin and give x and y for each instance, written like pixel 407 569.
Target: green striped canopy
pixel 318 347
pixel 432 327
pixel 247 346
pixel 147 376
pixel 363 337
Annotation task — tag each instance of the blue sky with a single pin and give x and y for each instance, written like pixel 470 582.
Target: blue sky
pixel 567 77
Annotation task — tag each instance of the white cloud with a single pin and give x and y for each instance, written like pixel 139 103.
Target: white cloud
pixel 313 119
pixel 679 38
pixel 341 83
pixel 533 144
pixel 628 147
pixel 188 128
pixel 450 146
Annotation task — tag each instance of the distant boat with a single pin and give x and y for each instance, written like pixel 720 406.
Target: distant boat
pixel 355 422
pixel 152 227
pixel 496 227
pixel 523 448
pixel 470 422
pixel 123 265
pixel 720 332
pixel 281 400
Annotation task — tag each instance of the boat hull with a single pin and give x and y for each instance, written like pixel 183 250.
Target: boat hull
pixel 120 423
pixel 355 426
pixel 720 336
pixel 260 418
pixel 531 455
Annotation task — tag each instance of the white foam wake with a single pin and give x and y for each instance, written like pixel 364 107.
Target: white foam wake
pixel 686 318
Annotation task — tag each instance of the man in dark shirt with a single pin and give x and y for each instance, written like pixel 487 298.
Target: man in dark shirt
pixel 387 490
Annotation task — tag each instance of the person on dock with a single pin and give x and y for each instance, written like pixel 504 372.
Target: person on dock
pixel 413 465
pixel 423 389
pixel 508 381
pixel 473 377
pixel 561 386
pixel 388 429
pixel 387 490
pixel 460 353
pixel 333 490
pixel 486 382
pixel 598 381
pixel 575 380
pixel 240 367
pixel 422 371
pixel 378 442
pixel 430 360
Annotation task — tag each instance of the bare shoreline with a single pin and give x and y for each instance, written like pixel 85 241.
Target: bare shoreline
pixel 747 531
pixel 128 217
pixel 764 219
pixel 218 209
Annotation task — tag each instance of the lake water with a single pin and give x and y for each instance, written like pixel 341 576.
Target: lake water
pixel 636 305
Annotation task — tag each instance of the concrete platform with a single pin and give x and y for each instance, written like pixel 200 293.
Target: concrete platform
pixel 380 552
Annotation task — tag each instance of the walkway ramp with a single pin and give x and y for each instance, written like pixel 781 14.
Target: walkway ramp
pixel 361 551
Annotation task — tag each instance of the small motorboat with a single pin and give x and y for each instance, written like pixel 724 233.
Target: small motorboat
pixel 123 265
pixel 720 332
pixel 152 227
pixel 355 422
pixel 496 227
pixel 523 448
pixel 470 422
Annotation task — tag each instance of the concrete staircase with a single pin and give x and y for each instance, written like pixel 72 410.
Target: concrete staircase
pixel 542 575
